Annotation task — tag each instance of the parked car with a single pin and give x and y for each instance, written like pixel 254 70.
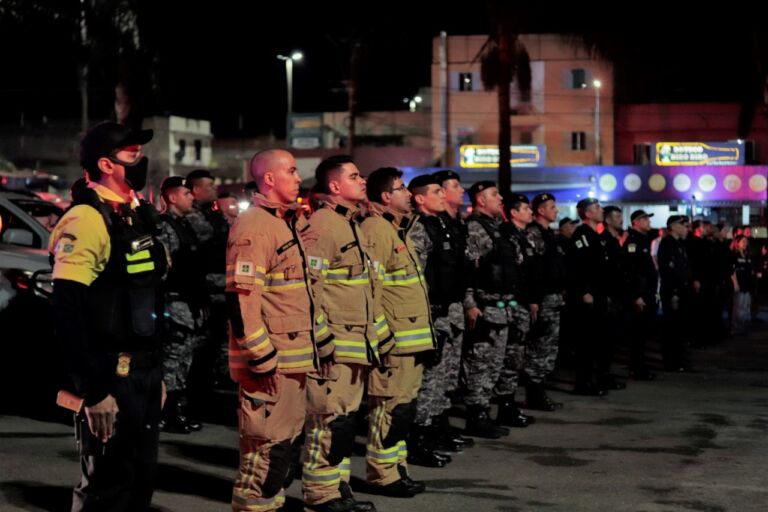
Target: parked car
pixel 28 362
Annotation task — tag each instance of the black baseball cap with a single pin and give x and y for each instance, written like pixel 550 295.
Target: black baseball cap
pixel 676 219
pixel 478 187
pixel 445 175
pixel 422 181
pixel 611 209
pixel 586 203
pixel 540 200
pixel 517 199
pixel 639 214
pixel 103 139
pixel 568 220
pixel 170 183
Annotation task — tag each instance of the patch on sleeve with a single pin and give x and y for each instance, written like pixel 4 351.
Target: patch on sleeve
pixel 632 248
pixel 579 245
pixel 315 263
pixel 400 248
pixel 64 247
pixel 245 268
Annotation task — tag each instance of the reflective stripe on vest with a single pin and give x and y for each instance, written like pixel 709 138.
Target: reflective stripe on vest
pixel 401 278
pixel 146 264
pixel 381 326
pixel 351 348
pixel 414 338
pixel 321 327
pixel 257 341
pixel 295 358
pixel 341 276
pixel 277 282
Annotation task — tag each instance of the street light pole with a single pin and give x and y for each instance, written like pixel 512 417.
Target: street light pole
pixel 598 149
pixel 289 60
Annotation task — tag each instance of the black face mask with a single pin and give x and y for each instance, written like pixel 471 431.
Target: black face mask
pixel 135 172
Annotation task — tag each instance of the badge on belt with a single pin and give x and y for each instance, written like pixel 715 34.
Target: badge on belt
pixel 123 365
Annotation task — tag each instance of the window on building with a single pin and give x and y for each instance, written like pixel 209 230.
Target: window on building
pixel 526 138
pixel 465 81
pixel 578 141
pixel 578 78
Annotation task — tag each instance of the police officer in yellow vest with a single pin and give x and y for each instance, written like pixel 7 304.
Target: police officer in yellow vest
pixel 393 386
pixel 108 313
pixel 343 277
pixel 278 334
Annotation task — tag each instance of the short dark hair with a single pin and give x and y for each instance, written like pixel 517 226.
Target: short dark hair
pixel 194 177
pixel 326 168
pixel 382 180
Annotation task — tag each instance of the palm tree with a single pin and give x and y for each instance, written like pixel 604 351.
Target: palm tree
pixel 504 59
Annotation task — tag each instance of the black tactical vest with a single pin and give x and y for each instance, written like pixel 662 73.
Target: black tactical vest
pixel 186 276
pixel 446 264
pixel 498 272
pixel 126 299
pixel 213 252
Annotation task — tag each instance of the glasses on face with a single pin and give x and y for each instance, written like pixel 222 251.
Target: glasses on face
pixel 401 188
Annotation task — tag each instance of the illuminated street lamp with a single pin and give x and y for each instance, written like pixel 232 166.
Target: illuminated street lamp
pixel 289 60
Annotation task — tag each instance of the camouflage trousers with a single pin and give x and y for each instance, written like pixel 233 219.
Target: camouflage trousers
pixel 494 353
pixel 515 354
pixel 543 340
pixel 183 335
pixel 441 379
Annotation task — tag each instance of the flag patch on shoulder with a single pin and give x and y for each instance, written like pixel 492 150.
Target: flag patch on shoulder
pixel 245 268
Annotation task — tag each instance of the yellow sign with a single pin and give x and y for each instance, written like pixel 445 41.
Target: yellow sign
pixel 484 156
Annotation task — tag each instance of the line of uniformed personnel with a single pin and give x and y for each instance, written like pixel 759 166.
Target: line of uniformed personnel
pixel 414 310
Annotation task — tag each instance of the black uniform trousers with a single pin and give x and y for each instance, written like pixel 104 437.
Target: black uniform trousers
pixel 640 327
pixel 119 475
pixel 675 330
pixel 592 341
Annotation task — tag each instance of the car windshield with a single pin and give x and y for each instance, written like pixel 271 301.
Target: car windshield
pixel 47 214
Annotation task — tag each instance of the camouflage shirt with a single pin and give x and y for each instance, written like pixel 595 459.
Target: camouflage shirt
pixel 422 243
pixel 479 244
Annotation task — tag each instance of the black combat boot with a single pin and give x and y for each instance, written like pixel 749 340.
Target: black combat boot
pixel 192 424
pixel 357 506
pixel 536 398
pixel 174 420
pixel 480 424
pixel 421 449
pixel 446 437
pixel 510 415
pixel 416 486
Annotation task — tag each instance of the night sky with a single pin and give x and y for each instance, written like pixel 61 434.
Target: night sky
pixel 216 60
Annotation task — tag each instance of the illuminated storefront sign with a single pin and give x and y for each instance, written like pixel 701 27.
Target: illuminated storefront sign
pixel 697 153
pixel 481 156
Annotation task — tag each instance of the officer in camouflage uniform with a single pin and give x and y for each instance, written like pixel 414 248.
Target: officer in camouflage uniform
pixel 548 272
pixel 520 216
pixel 491 306
pixel 184 302
pixel 212 230
pixel 442 253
